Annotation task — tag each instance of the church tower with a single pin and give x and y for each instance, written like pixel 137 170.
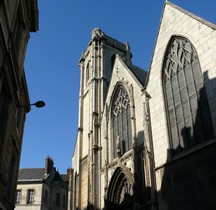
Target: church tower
pixel 96 66
pixel 146 140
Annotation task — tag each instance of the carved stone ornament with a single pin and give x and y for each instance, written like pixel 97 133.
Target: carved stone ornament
pixel 181 54
pixel 97 33
pixel 122 101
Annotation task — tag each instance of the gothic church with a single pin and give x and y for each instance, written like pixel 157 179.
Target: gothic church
pixel 146 140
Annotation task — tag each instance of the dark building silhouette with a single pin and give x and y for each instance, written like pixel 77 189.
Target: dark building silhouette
pixel 17 20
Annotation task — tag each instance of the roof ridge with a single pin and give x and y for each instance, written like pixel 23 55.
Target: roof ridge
pixel 192 15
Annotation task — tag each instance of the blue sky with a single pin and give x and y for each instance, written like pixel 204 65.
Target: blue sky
pixel 52 58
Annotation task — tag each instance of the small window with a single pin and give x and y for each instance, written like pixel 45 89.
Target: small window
pixel 57 199
pixel 64 200
pixel 18 196
pixel 87 73
pixel 18 30
pixel 11 180
pixel 30 198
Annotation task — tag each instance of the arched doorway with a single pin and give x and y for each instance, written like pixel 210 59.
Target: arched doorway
pixel 120 192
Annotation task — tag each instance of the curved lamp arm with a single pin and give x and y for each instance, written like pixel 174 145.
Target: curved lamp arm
pixel 38 104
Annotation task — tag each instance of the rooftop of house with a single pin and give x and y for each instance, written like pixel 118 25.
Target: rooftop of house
pixel 49 173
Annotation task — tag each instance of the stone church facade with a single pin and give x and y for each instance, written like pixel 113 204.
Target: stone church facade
pixel 146 140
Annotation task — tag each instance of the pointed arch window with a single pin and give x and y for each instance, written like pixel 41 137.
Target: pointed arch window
pixel 121 122
pixel 187 109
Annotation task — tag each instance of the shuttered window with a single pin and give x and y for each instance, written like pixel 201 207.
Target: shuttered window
pixel 187 109
pixel 30 196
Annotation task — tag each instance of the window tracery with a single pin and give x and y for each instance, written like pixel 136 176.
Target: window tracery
pixel 121 122
pixel 188 114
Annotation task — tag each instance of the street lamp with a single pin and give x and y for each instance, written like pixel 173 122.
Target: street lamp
pixel 38 104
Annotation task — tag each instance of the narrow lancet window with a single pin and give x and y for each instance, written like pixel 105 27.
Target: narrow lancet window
pixel 121 122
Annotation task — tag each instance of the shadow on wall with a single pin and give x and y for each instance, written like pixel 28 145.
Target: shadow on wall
pixel 189 177
pixel 144 189
pixel 124 194
pixel 90 207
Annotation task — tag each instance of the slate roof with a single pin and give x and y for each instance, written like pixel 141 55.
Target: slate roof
pixel 57 177
pixel 139 73
pixel 29 174
pixel 64 177
pixel 38 174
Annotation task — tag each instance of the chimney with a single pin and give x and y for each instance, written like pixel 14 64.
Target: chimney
pixel 48 165
pixel 69 173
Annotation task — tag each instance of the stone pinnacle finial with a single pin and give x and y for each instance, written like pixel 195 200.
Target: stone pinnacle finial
pixel 97 33
pixel 129 55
